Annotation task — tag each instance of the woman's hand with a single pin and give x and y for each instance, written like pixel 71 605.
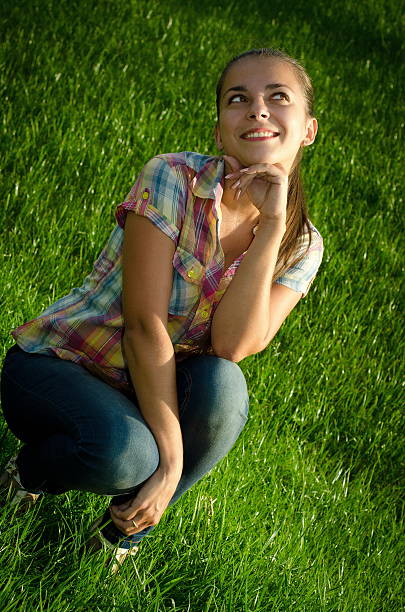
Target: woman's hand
pixel 147 507
pixel 265 184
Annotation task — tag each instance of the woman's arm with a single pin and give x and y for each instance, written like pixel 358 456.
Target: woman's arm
pixel 253 308
pixel 147 283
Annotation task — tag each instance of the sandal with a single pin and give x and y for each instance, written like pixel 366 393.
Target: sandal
pixel 120 550
pixel 14 492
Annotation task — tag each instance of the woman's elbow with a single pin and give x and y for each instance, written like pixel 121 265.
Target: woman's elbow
pixel 229 355
pixel 236 354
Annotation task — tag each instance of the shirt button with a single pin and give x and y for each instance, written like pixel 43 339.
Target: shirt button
pixel 204 314
pixel 145 195
pixel 192 273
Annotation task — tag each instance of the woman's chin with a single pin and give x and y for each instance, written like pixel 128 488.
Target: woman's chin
pixel 259 158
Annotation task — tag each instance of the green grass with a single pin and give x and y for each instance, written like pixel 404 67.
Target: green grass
pixel 304 515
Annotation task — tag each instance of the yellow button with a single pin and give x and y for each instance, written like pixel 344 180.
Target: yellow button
pixel 192 273
pixel 204 314
pixel 145 195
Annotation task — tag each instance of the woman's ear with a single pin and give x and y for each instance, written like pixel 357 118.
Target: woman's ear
pixel 312 128
pixel 218 137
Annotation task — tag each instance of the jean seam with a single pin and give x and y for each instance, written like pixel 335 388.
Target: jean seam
pixel 187 392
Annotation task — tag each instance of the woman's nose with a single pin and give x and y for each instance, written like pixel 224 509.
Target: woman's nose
pixel 258 110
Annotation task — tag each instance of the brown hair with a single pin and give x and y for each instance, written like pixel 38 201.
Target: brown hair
pixel 297 222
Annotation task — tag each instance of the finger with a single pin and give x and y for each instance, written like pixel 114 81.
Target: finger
pixel 258 178
pixel 139 518
pixel 244 183
pixel 122 525
pixel 116 513
pixel 123 507
pixel 264 174
pixel 128 527
pixel 121 514
pixel 135 526
pixel 252 170
pixel 258 168
pixel 124 515
pixel 272 170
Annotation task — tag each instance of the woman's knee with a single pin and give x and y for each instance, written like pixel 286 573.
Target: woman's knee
pixel 127 457
pixel 230 400
pixel 219 395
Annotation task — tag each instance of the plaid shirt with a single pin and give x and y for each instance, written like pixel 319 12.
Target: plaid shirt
pixel 180 194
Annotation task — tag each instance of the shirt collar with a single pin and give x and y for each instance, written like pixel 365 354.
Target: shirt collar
pixel 208 181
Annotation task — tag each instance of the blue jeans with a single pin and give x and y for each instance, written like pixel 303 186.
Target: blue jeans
pixel 79 433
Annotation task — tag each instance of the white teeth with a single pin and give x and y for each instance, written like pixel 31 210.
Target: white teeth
pixel 259 134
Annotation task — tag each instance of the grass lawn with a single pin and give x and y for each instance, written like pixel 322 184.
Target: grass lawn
pixel 304 514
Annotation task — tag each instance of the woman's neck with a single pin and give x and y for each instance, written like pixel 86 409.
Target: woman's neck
pixel 242 207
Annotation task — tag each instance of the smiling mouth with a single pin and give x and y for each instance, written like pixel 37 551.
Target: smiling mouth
pixel 259 135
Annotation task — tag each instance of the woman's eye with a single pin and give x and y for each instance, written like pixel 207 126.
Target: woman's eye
pixel 236 98
pixel 280 95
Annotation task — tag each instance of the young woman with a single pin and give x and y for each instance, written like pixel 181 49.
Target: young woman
pixel 129 386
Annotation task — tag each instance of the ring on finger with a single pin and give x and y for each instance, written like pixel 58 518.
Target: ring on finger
pixel 135 524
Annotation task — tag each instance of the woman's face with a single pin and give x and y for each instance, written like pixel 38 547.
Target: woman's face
pixel 263 117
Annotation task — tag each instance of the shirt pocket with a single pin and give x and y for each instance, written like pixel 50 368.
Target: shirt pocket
pixel 187 282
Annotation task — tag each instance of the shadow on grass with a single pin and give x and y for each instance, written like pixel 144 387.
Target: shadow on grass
pixel 357 31
pixel 350 30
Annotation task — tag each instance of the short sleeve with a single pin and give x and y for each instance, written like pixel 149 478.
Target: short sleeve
pixel 159 194
pixel 300 276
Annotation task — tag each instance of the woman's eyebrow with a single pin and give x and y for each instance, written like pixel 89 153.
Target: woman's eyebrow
pixel 244 88
pixel 277 85
pixel 235 88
